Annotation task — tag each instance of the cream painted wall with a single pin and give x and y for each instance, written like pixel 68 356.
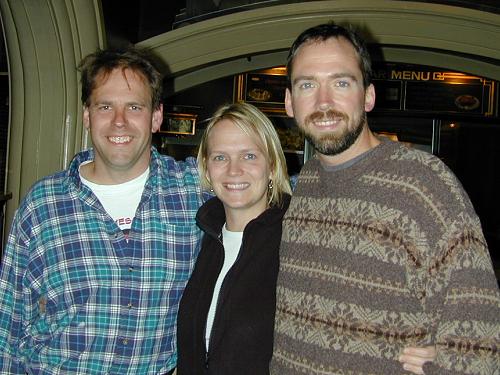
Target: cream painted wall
pixel 45 40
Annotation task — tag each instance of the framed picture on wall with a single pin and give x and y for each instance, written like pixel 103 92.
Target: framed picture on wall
pixel 178 123
pixel 265 89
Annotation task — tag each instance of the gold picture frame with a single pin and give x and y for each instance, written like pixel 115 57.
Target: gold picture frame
pixel 179 123
pixel 265 89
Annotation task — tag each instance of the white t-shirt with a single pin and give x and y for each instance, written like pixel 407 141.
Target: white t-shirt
pixel 232 245
pixel 120 201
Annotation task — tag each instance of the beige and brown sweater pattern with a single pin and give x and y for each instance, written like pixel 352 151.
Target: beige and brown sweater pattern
pixel 381 255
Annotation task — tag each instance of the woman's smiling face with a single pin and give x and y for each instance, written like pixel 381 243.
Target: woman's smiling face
pixel 238 170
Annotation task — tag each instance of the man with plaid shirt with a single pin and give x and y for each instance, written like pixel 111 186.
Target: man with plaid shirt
pixel 99 254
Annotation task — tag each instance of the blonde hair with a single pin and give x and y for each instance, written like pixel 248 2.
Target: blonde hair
pixel 256 124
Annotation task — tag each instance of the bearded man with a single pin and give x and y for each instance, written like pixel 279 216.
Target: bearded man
pixel 381 247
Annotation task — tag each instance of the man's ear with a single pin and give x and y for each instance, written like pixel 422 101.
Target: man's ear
pixel 86 117
pixel 288 102
pixel 369 98
pixel 157 119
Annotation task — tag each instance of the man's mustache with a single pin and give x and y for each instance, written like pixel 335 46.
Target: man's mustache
pixel 331 114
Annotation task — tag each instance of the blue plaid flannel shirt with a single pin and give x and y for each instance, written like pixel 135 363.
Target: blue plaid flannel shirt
pixel 76 297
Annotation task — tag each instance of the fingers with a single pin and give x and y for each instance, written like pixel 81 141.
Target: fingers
pixel 413 358
pixel 428 352
pixel 413 369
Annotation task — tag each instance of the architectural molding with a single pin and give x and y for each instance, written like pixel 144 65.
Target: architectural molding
pixel 45 40
pixel 452 37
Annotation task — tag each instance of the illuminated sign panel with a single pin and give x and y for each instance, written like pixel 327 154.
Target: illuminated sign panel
pixel 412 88
pixel 398 87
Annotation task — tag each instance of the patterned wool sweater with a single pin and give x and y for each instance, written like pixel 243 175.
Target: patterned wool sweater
pixel 383 254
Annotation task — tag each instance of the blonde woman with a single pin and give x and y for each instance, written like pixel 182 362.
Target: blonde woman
pixel 226 316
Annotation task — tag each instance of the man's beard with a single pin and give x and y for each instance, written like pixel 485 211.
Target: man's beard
pixel 333 144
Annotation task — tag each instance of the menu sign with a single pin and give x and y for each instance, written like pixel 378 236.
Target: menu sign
pixel 413 88
pixel 399 87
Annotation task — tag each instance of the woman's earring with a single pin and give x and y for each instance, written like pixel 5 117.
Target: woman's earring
pixel 210 183
pixel 270 185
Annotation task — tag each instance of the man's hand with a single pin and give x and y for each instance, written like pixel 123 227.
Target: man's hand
pixel 413 358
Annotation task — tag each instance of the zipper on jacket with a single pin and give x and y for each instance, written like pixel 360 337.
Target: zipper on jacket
pixel 222 288
pixel 207 355
pixel 219 298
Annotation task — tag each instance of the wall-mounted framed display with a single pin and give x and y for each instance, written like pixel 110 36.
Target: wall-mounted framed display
pixel 179 123
pixel 400 87
pixel 431 90
pixel 265 89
